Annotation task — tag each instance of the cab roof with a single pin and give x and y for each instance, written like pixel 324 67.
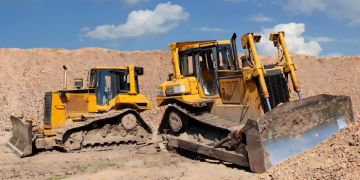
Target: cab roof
pixel 122 67
pixel 195 44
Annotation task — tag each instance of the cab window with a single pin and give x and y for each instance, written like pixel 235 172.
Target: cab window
pixel 207 72
pixel 105 90
pixel 186 64
pixel 225 58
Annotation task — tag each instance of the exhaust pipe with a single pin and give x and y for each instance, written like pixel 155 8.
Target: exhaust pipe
pixel 65 76
pixel 233 44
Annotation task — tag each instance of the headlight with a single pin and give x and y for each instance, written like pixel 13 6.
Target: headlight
pixel 169 90
pixel 175 90
pixel 160 92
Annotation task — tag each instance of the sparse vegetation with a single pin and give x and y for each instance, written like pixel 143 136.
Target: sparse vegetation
pixel 105 165
pixel 98 166
pixel 80 168
pixel 56 178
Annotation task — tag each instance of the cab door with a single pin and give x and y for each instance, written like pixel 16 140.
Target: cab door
pixel 105 88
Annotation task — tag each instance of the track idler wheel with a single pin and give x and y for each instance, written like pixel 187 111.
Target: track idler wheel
pixel 129 121
pixel 178 122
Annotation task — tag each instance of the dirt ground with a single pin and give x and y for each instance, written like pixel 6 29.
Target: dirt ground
pixel 26 74
pixel 127 162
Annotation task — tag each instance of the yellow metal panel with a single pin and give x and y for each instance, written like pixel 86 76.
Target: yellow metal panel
pixel 194 86
pixel 193 90
pixel 251 98
pixel 76 104
pixel 195 44
pixel 223 42
pixel 205 44
pixel 124 100
pixel 181 44
pixel 175 63
pixel 132 90
pixel 186 82
pixel 231 90
pixel 235 113
pixel 92 103
pixel 51 132
pixel 58 108
pixel 193 100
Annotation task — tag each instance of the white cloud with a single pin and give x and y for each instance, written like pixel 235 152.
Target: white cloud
pixel 209 29
pixel 85 29
pixel 338 9
pixel 294 41
pixel 143 23
pixel 132 2
pixel 321 39
pixel 334 55
pixel 259 18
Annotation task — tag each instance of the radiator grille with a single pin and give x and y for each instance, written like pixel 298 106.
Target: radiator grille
pixel 47 107
pixel 277 88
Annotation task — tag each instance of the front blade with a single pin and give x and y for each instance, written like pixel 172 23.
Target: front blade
pixel 297 126
pixel 21 141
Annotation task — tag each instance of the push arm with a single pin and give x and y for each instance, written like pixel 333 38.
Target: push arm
pixel 249 40
pixel 279 41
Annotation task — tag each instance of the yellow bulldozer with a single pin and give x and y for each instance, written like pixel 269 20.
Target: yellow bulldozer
pixel 106 113
pixel 240 111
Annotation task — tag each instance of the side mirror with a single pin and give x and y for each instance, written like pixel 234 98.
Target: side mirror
pixel 170 75
pixel 139 70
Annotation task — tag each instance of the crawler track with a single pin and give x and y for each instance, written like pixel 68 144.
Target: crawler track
pixel 103 130
pixel 203 131
pixel 202 116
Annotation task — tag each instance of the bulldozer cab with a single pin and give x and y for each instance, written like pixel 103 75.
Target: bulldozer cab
pixel 200 63
pixel 195 72
pixel 204 63
pixel 108 83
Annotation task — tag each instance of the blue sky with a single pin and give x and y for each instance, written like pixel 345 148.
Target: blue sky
pixel 314 27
